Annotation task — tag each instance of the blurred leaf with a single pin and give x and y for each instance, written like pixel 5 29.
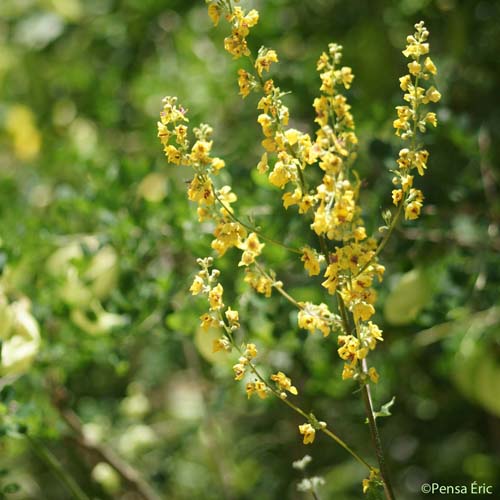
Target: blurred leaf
pixel 408 297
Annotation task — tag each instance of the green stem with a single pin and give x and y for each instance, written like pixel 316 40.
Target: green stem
pixel 344 314
pixel 278 287
pixel 377 443
pixel 365 391
pixel 385 239
pixel 294 407
pixel 251 228
pixel 396 218
pixel 51 461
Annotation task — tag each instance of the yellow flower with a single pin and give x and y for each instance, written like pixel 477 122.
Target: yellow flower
pixel 362 311
pixel 429 66
pixel 346 76
pixel 221 344
pixel 309 433
pixel 227 235
pixel 292 136
pixel 215 297
pixel 348 371
pixel 331 276
pixel 252 18
pixel 420 160
pixel 328 82
pixel 406 182
pixel 233 317
pixel 200 152
pixel 214 13
pixel 257 387
pixel 313 317
pixel 310 260
pixel 264 60
pixel 197 286
pixel 431 118
pixel 397 196
pixel 349 346
pixel 173 155
pixel 236 46
pixel 281 175
pixel 263 166
pixel 208 321
pixel 432 95
pixel 374 376
pixel 181 134
pixel 244 82
pixel 201 191
pixel 266 123
pixel 359 233
pixel 163 133
pixel 414 68
pixel 239 371
pixel 290 199
pixel 260 283
pixel 252 248
pixel 404 82
pixel 284 383
pixel 217 164
pixel 412 210
pixel 251 351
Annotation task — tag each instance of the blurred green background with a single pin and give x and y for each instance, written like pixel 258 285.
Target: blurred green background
pixel 96 231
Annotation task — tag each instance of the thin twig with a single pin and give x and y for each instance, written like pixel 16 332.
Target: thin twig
pixel 129 474
pixel 46 456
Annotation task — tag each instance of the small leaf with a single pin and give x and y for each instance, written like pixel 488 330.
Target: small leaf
pixel 385 409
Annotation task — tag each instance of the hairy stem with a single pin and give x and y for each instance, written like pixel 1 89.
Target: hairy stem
pixel 367 400
pixel 377 443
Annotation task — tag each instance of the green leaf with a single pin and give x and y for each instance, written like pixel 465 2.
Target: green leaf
pixel 409 296
pixel 385 409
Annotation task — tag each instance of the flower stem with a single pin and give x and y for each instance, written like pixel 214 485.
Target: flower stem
pixel 294 407
pixel 367 400
pixel 385 239
pixel 377 443
pixel 44 454
pixel 251 228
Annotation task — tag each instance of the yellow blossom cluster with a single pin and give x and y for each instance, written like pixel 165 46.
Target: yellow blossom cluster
pixel 240 367
pixel 262 282
pixel 355 348
pixel 309 433
pixel 308 430
pixel 412 119
pixel 352 265
pixel 313 317
pixel 213 204
pixel 347 258
pixel 236 43
pixel 218 316
pixel 284 383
